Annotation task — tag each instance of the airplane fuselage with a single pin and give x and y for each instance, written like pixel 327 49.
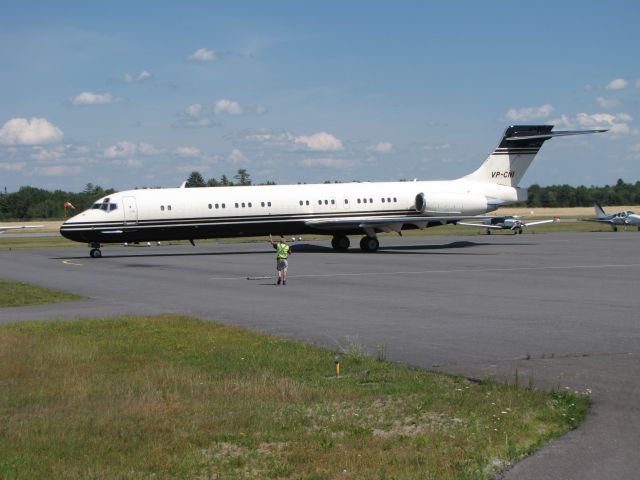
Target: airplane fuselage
pixel 195 213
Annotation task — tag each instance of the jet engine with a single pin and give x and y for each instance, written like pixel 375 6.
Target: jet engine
pixel 451 203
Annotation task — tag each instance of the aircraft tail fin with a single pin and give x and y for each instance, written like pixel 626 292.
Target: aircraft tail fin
pixel 509 161
pixel 599 210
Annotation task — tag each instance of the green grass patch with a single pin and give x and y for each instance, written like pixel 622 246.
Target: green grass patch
pixel 16 294
pixel 173 397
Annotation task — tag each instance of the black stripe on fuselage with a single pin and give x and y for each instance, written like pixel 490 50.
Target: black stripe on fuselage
pixel 240 219
pixel 211 228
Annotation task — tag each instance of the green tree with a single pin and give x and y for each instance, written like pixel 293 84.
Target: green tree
pixel 195 180
pixel 243 177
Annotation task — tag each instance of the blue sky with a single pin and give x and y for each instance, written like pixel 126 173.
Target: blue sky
pixel 131 94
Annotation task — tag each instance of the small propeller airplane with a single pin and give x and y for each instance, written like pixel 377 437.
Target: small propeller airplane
pixel 621 218
pixel 512 223
pixel 18 227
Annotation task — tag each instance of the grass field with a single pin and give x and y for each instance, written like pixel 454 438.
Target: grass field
pixel 172 397
pixel 16 294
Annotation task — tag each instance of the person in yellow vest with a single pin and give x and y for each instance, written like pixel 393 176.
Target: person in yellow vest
pixel 282 258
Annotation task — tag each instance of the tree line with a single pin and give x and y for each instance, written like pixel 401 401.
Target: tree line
pixel 567 196
pixel 30 203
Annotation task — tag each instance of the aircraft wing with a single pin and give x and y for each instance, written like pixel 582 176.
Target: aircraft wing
pixel 387 224
pixel 20 227
pixel 481 225
pixel 538 222
pixel 598 220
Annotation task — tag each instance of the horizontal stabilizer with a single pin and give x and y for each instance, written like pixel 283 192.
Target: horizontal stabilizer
pixel 547 136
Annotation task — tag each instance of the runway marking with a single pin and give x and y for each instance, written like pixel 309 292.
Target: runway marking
pixel 455 270
pixel 69 262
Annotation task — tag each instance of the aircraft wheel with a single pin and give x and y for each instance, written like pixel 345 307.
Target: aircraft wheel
pixel 369 244
pixel 520 231
pixel 95 253
pixel 615 229
pixel 340 242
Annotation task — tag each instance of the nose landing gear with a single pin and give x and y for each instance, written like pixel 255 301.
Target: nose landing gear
pixel 95 250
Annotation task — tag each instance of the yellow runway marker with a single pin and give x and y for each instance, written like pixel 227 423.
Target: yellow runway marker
pixel 69 262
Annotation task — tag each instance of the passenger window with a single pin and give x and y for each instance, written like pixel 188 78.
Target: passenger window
pixel 395 199
pixel 382 199
pixel 162 207
pixel 326 202
pixel 364 200
pixel 389 199
pixel 237 205
pixel 224 206
pixel 371 200
pixel 346 200
pixel 242 204
pixel 168 207
pixel 249 204
pixel 300 202
pixel 113 206
pixel 319 202
pixel 210 206
pixel 217 205
pixel 333 202
pixel 268 204
pixel 307 202
pixel 262 204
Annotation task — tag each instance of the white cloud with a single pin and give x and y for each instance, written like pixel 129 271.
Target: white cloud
pixel 22 131
pixel 129 163
pixel 617 124
pixel 48 154
pixel 187 152
pixel 236 156
pixel 125 148
pixel 203 55
pixel 327 162
pixel 193 110
pixel 383 147
pixel 617 84
pixel 89 98
pixel 322 142
pixel 607 102
pixel 142 76
pixel 529 113
pixel 13 167
pixel 57 170
pixel 228 106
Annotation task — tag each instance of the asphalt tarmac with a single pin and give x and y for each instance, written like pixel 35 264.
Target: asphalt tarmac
pixel 563 309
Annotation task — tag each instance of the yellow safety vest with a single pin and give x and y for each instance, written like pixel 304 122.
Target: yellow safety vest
pixel 282 251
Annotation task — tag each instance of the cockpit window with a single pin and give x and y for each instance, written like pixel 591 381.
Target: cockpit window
pixel 105 205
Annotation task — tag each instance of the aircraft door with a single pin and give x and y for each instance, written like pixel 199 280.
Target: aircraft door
pixel 130 210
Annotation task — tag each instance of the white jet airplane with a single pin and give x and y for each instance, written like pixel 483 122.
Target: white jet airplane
pixel 509 222
pixel 338 210
pixel 615 219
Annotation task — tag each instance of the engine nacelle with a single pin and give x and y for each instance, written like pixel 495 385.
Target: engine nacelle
pixel 451 203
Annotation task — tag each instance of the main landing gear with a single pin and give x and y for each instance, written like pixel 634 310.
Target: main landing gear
pixel 95 250
pixel 367 244
pixel 340 242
